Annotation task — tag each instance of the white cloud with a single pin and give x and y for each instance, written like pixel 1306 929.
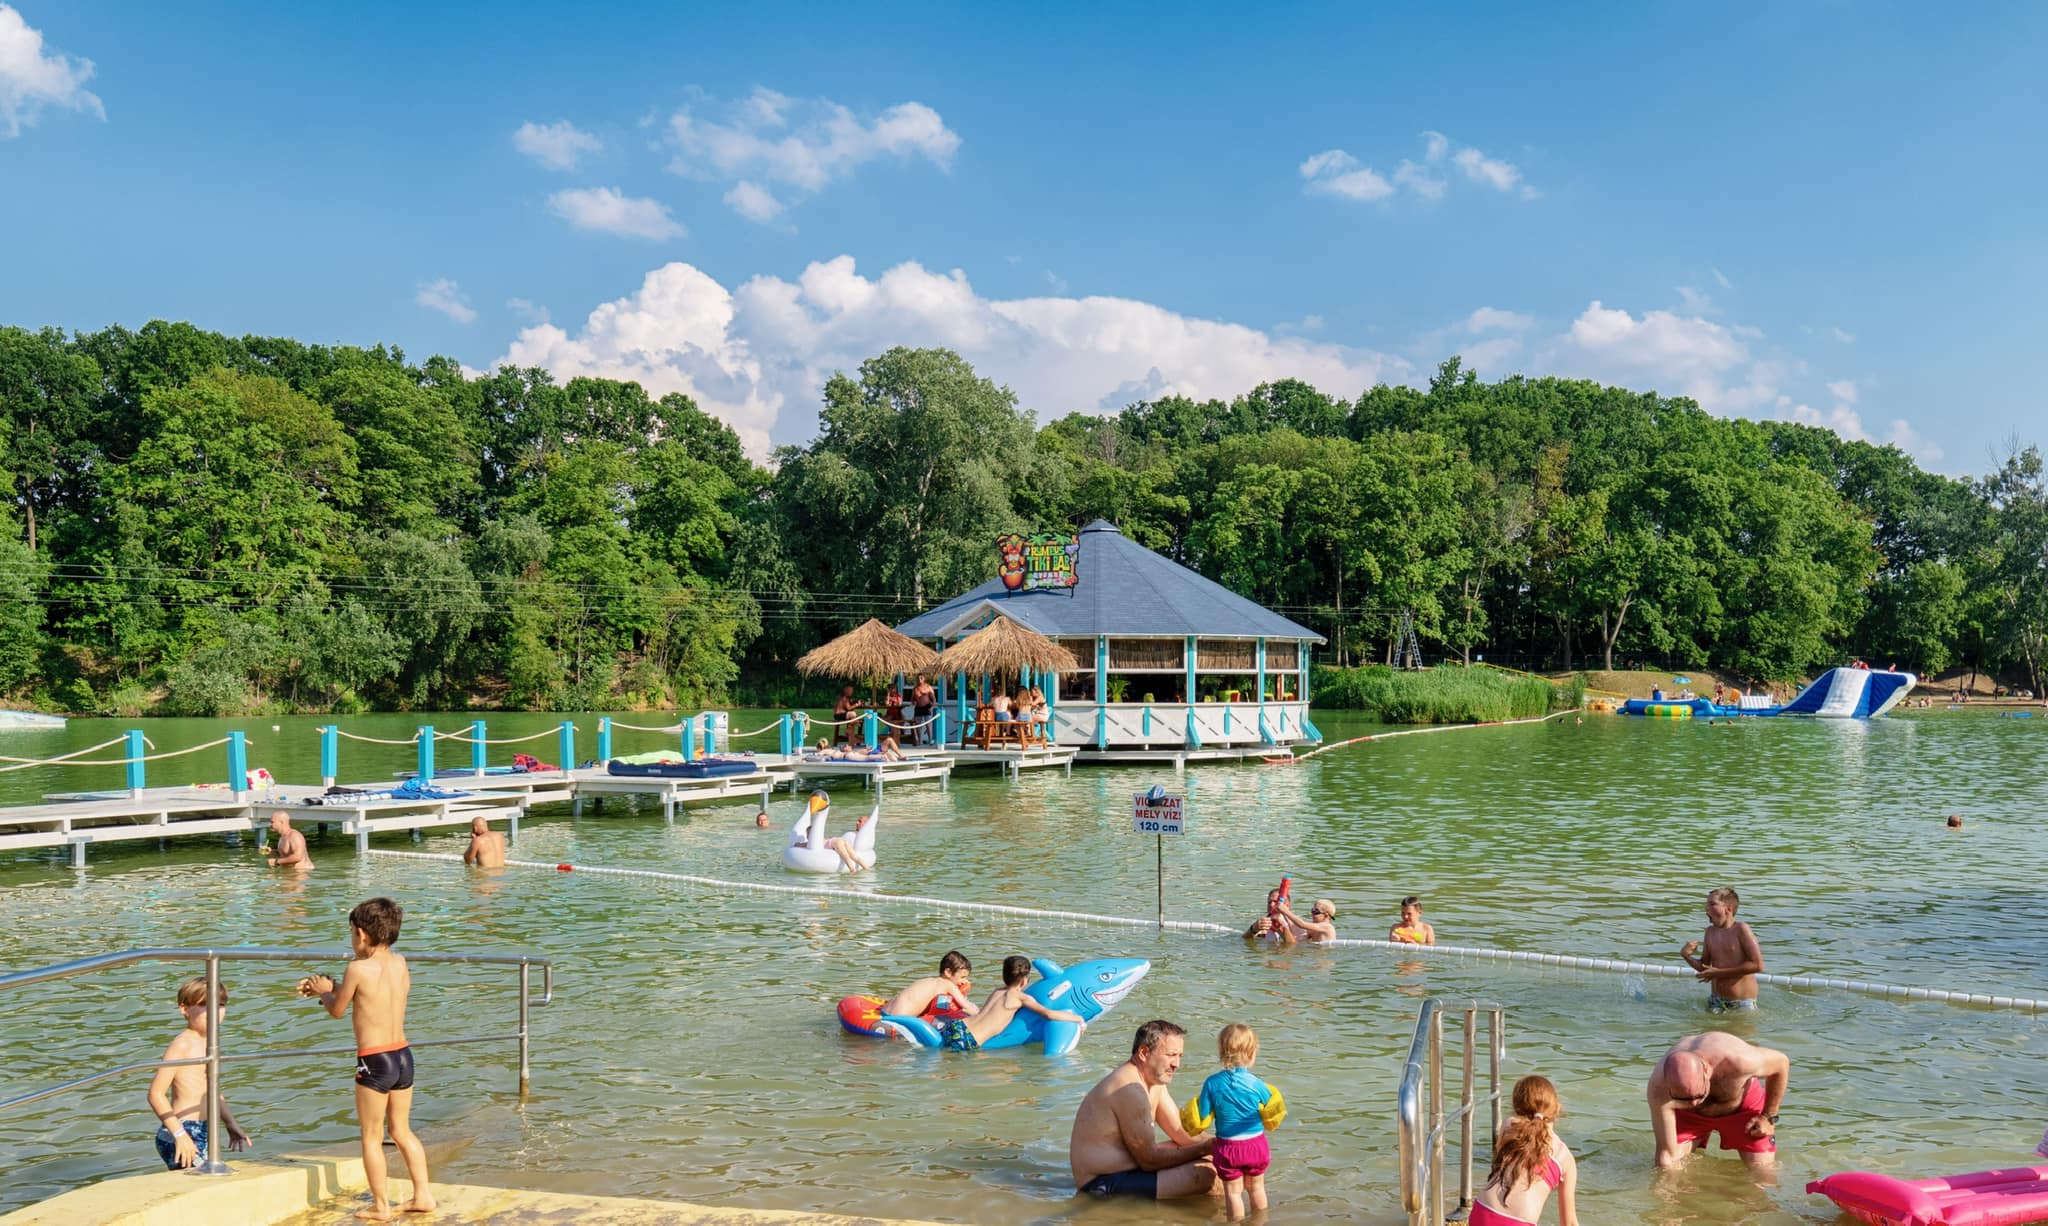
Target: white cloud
pixel 1691 299
pixel 1334 172
pixel 800 144
pixel 606 210
pixel 1493 319
pixel 30 79
pixel 753 202
pixel 446 297
pixel 526 309
pixel 757 355
pixel 1722 279
pixel 1838 335
pixel 557 146
pixel 1843 390
pixel 1494 173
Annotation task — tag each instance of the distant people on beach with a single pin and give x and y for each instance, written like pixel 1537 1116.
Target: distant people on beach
pixel 375 986
pixel 1716 1084
pixel 1239 1107
pixel 177 1096
pixel 291 846
pixel 1412 929
pixel 952 983
pixel 1731 959
pixel 1529 1161
pixel 486 846
pixel 1114 1148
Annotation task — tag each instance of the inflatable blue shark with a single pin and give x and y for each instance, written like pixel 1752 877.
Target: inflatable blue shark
pixel 1090 989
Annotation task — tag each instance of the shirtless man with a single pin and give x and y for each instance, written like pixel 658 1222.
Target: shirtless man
pixel 486 846
pixel 1732 958
pixel 969 1033
pixel 1716 1083
pixel 291 846
pixel 1113 1149
pixel 952 982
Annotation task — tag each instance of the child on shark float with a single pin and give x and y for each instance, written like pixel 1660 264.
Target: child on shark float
pixel 1086 989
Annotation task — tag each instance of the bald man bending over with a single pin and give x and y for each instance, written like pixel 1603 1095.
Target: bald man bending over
pixel 1716 1083
pixel 486 846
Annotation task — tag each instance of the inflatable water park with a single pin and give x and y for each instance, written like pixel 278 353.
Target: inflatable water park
pixel 1839 693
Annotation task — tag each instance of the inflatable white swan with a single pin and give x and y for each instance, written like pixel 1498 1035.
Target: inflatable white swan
pixel 807 851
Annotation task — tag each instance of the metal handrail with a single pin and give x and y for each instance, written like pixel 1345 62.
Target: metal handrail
pixel 1424 1122
pixel 214 1058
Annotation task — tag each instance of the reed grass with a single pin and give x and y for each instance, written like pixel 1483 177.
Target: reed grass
pixel 1449 694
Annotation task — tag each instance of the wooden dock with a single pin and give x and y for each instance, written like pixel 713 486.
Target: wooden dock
pixel 872 774
pixel 1012 760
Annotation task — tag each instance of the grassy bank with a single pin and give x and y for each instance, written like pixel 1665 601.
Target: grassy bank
pixel 1446 695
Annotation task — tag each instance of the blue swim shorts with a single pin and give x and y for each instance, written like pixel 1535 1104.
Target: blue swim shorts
pixel 955 1036
pixel 167 1148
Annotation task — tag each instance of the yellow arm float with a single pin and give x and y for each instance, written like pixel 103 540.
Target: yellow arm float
pixel 1274 1110
pixel 1191 1117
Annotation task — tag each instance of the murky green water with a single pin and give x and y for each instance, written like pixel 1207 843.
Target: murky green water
pixel 693 1052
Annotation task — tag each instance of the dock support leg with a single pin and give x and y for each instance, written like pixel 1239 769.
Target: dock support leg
pixel 668 809
pixel 513 835
pixel 1180 764
pixel 576 807
pixel 78 853
pixel 362 840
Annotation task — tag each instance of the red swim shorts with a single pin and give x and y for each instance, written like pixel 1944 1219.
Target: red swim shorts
pixel 1733 1127
pixel 1236 1159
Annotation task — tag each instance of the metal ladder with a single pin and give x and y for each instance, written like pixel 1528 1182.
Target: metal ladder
pixel 1408 651
pixel 214 1058
pixel 1423 1119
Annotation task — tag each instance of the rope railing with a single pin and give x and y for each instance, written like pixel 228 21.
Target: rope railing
pixel 153 757
pixel 445 736
pixel 677 727
pixel 76 753
pixel 1381 736
pixel 924 723
pixel 770 726
pixel 1205 928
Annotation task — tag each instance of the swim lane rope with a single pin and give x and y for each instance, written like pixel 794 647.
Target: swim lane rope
pixel 1382 736
pixel 1205 928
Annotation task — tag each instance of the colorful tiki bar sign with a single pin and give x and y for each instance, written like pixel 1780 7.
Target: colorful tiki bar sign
pixel 1044 559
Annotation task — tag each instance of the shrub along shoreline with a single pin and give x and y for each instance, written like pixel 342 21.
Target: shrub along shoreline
pixel 1447 694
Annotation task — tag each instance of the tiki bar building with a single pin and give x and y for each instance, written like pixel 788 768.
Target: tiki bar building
pixel 1165 662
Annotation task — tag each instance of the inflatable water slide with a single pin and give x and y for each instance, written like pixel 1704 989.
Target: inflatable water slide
pixel 1839 693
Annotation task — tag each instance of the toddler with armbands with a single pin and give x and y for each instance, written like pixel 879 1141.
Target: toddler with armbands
pixel 1241 1108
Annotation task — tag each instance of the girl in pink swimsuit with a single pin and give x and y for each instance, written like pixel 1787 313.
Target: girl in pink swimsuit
pixel 1529 1160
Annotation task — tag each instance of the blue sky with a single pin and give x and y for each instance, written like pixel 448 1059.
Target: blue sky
pixel 1829 212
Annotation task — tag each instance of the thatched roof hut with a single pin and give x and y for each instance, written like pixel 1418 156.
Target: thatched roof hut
pixel 867 652
pixel 1004 646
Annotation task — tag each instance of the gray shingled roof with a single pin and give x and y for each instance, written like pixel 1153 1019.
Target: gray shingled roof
pixel 1124 589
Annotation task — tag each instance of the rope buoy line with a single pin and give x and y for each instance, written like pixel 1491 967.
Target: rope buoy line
pixel 1383 736
pixel 1202 927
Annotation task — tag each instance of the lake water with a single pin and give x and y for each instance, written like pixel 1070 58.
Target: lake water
pixel 693 1052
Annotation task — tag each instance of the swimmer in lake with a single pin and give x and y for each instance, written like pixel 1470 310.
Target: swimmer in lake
pixel 1732 959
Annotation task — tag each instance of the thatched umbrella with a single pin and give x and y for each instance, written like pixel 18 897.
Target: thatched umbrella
pixel 1004 646
pixel 866 653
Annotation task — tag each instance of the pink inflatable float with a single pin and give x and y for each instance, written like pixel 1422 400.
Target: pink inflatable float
pixel 2009 1197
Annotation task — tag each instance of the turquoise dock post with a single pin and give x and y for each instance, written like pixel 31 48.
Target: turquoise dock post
pixel 238 764
pixel 1145 722
pixel 782 745
pixel 426 757
pixel 1052 696
pixel 604 739
pixel 690 739
pixel 568 748
pixel 939 727
pixel 330 755
pixel 1190 662
pixel 710 735
pixel 867 728
pixel 1264 735
pixel 1194 738
pixel 137 776
pixel 479 758
pixel 1101 728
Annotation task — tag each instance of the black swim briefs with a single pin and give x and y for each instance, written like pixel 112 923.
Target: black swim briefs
pixel 385 1071
pixel 1143 1184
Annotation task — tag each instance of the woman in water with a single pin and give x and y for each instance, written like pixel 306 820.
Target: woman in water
pixel 1529 1160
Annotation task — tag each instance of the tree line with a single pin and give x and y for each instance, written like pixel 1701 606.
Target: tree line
pixel 200 524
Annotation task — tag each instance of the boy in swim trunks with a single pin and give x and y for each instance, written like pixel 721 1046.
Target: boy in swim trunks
pixel 1732 958
pixel 1413 929
pixel 178 1095
pixel 969 1033
pixel 377 983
